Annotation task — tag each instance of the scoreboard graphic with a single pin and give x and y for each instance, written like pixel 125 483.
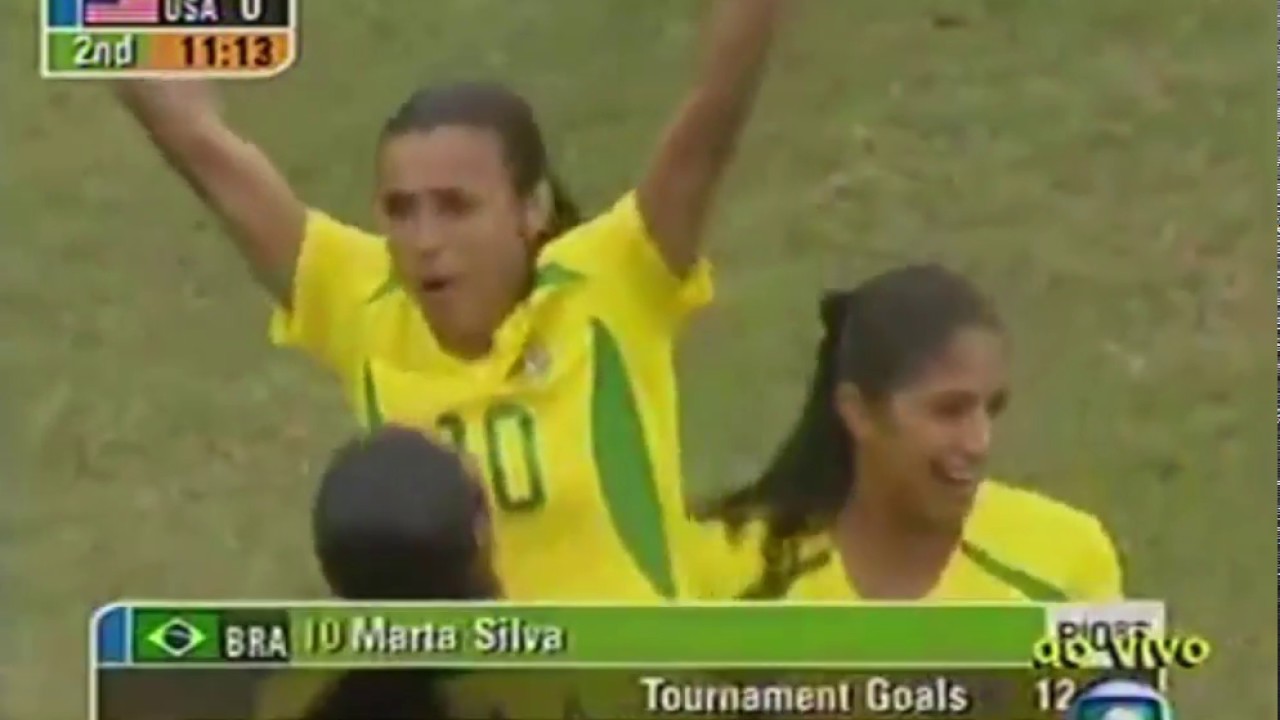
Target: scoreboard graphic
pixel 167 38
pixel 965 661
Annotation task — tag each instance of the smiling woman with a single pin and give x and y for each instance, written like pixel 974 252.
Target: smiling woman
pixel 880 490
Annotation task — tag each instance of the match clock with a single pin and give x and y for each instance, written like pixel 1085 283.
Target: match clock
pixel 168 38
pixel 255 53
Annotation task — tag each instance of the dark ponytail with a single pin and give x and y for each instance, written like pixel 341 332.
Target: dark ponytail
pixel 817 449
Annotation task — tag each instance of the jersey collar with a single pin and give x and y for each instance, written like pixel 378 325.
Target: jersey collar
pixel 512 336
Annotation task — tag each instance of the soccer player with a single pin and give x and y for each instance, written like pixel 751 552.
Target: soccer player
pixel 490 313
pixel 399 517
pixel 880 490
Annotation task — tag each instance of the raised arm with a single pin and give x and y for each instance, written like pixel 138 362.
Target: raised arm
pixel 232 176
pixel 676 193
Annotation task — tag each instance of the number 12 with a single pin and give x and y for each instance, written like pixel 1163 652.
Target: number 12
pixel 1055 694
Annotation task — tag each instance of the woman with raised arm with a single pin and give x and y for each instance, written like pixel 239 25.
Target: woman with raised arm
pixel 539 344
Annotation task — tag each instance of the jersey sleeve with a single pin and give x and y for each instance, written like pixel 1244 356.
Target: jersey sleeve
pixel 340 268
pixel 618 254
pixel 1097 577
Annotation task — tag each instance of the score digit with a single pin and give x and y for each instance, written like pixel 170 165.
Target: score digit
pixel 1055 694
pixel 250 10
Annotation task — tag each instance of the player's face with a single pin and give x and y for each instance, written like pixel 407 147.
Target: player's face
pixel 461 237
pixel 930 442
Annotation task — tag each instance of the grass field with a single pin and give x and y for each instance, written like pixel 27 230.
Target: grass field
pixel 1102 168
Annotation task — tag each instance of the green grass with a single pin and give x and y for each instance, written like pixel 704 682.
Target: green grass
pixel 1102 168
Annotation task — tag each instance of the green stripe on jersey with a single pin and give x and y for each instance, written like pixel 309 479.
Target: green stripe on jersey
pixel 372 408
pixel 388 286
pixel 553 274
pixel 623 463
pixel 1027 584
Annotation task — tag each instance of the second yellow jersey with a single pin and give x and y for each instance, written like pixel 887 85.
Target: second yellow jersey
pixel 572 417
pixel 1017 545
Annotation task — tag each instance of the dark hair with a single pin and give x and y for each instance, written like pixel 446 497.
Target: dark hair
pixel 878 337
pixel 494 107
pixel 394 519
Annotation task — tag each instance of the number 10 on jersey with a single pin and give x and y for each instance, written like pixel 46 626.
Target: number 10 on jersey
pixel 506 444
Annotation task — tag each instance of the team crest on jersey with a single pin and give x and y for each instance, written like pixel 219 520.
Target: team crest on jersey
pixel 534 363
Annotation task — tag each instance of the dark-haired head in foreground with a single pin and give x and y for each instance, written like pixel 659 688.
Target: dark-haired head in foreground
pixel 399 517
pixel 910 375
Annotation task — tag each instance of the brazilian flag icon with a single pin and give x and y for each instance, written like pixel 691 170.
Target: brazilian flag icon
pixel 165 636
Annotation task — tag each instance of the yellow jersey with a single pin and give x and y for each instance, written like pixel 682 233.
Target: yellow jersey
pixel 572 416
pixel 1017 545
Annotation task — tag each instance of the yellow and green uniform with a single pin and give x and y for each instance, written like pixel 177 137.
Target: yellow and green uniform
pixel 572 417
pixel 1017 545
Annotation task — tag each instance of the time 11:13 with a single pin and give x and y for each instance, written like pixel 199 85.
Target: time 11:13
pixel 228 51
